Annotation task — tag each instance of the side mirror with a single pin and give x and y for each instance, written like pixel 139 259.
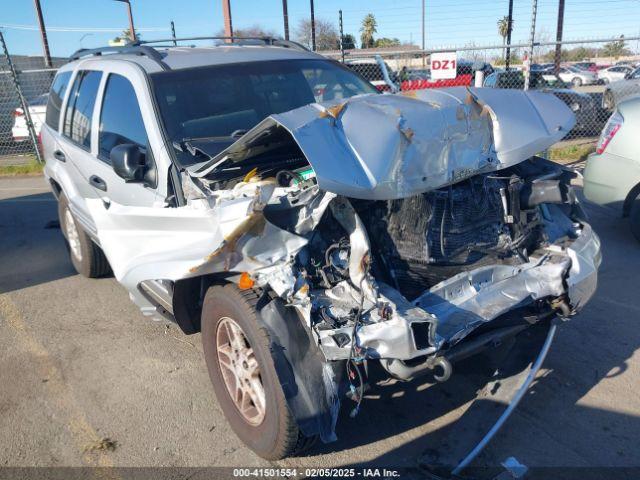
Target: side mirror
pixel 129 161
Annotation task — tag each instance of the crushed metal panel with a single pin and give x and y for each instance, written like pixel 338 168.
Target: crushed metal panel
pixel 524 122
pixel 392 146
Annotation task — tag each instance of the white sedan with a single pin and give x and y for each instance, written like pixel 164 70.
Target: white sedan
pixel 37 110
pixel 577 77
pixel 615 73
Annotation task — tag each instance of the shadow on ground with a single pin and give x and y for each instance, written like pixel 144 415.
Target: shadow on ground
pixel 32 249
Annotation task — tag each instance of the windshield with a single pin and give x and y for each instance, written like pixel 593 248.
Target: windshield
pixel 220 103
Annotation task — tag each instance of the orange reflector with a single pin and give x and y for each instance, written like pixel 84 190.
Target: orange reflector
pixel 245 282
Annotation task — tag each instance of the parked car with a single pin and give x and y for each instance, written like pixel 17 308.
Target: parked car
pixel 615 92
pixel 581 104
pixel 577 77
pixel 309 232
pixel 612 173
pixel 632 63
pixel 37 107
pixel 589 66
pixel 615 73
pixel 542 67
pixel 376 71
pixel 415 74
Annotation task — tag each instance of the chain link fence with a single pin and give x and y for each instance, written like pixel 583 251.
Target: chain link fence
pixel 591 87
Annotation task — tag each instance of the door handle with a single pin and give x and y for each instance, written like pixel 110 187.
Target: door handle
pixel 58 155
pixel 97 182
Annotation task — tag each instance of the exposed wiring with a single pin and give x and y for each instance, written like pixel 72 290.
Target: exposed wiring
pixel 351 361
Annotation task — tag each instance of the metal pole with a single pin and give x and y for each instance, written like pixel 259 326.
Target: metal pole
pixel 558 54
pixel 534 12
pixel 509 30
pixel 173 33
pixel 512 406
pixel 226 13
pixel 132 29
pixel 341 35
pixel 43 34
pixel 285 17
pixel 23 102
pixel 313 28
pixel 423 34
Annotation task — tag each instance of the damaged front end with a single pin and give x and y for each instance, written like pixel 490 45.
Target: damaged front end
pixel 413 231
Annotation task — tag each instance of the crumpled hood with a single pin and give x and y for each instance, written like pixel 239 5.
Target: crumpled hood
pixel 394 146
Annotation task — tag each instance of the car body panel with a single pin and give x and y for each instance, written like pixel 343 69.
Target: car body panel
pixel 412 144
pixel 19 131
pixel 610 176
pixel 616 92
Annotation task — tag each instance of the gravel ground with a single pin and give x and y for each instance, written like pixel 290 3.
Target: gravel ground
pixel 87 380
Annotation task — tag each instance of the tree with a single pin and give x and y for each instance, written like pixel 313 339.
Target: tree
pixel 503 31
pixel 348 42
pixel 123 38
pixel 253 31
pixel 368 29
pixel 615 49
pixel 327 37
pixel 387 42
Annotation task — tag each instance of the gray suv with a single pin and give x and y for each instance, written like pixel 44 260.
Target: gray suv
pixel 308 226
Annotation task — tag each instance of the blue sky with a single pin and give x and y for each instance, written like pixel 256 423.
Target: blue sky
pixel 73 24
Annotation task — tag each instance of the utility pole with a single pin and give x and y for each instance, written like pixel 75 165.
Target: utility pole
pixel 423 13
pixel 43 34
pixel 534 12
pixel 313 28
pixel 341 35
pixel 226 13
pixel 556 60
pixel 132 30
pixel 285 17
pixel 509 30
pixel 173 33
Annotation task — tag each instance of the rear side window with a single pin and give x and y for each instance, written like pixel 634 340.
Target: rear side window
pixel 120 117
pixel 82 100
pixel 56 95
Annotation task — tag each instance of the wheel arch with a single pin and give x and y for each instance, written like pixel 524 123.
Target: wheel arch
pixel 188 297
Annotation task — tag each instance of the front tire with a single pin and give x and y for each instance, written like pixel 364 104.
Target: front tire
pixel 577 82
pixel 634 218
pixel 87 257
pixel 237 351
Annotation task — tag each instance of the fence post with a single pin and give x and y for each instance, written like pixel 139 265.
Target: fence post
pixel 341 36
pixel 527 73
pixel 23 102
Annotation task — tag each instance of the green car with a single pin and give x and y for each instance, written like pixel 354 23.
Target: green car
pixel 612 174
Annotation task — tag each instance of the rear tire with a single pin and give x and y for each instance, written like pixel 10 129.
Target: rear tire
pixel 634 218
pixel 87 257
pixel 264 423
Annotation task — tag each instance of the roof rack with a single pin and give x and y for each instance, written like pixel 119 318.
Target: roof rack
pixel 267 41
pixel 142 47
pixel 130 48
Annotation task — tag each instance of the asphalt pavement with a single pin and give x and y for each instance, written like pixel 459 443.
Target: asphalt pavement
pixel 85 379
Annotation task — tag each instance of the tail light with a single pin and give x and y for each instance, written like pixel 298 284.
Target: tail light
pixel 18 113
pixel 608 132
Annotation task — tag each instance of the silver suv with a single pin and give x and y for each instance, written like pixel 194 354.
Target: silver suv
pixel 309 226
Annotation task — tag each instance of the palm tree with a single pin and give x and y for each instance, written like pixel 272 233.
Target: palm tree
pixel 503 31
pixel 368 28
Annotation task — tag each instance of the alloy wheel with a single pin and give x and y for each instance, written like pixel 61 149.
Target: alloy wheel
pixel 240 371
